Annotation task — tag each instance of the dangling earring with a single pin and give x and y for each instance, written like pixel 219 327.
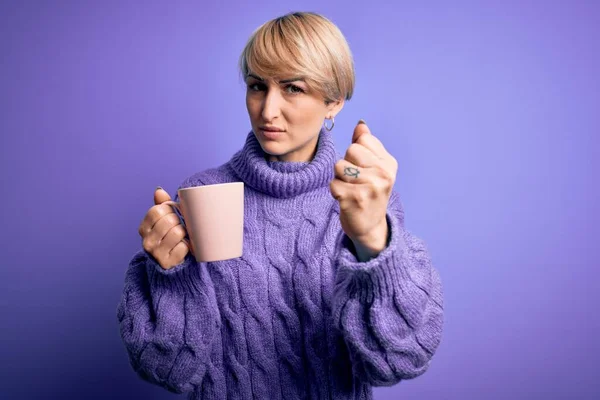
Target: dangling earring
pixel 329 128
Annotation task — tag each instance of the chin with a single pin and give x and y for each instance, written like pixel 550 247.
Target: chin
pixel 270 145
pixel 274 148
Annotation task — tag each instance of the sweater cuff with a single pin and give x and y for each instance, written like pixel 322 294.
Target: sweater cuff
pixel 182 278
pixel 377 277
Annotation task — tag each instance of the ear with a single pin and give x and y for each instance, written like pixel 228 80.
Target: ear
pixel 334 107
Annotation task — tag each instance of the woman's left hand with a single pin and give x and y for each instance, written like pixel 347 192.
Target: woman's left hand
pixel 363 184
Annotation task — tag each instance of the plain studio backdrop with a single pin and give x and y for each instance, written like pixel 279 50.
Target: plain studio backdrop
pixel 491 109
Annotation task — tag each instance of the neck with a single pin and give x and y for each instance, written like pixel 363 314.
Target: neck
pixel 286 179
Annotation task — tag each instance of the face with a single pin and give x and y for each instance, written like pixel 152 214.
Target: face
pixel 287 116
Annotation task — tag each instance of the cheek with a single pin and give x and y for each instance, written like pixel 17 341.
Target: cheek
pixel 309 113
pixel 253 106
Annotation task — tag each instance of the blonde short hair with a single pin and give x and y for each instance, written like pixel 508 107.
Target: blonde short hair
pixel 302 44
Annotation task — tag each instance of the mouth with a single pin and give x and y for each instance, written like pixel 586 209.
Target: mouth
pixel 271 133
pixel 270 129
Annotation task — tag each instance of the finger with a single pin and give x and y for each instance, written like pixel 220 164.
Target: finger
pixel 336 189
pixel 175 235
pixel 347 194
pixel 161 195
pixel 351 173
pixel 360 156
pixel 362 135
pixel 187 242
pixel 360 129
pixel 179 251
pixel 372 143
pixel 339 189
pixel 163 226
pixel 157 233
pixel 153 215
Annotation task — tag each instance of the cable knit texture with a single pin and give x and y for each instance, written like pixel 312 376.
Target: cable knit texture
pixel 297 316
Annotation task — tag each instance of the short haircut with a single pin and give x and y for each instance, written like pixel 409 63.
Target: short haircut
pixel 302 44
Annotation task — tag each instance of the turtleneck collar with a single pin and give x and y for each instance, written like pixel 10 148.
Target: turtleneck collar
pixel 285 179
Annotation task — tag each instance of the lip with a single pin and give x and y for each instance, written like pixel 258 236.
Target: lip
pixel 270 129
pixel 271 133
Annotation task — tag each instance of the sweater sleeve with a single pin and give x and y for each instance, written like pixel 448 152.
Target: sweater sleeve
pixel 390 308
pixel 167 321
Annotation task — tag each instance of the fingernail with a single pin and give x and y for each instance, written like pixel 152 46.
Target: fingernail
pixel 361 121
pixel 158 187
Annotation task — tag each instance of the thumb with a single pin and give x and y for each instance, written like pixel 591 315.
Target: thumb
pixel 160 196
pixel 360 129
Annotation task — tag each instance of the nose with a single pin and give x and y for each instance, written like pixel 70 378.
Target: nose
pixel 271 105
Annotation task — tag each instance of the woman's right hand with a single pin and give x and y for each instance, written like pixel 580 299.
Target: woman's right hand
pixel 162 234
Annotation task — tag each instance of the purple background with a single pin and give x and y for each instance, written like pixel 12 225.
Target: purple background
pixel 492 110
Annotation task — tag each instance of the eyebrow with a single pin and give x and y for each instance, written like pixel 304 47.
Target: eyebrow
pixel 298 78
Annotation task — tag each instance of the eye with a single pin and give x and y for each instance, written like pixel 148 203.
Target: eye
pixel 294 89
pixel 256 87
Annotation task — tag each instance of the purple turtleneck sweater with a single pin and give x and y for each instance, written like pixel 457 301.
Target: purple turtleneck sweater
pixel 297 316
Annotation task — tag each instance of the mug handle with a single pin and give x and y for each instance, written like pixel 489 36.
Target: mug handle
pixel 175 204
pixel 177 208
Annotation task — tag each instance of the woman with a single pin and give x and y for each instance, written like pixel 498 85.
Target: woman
pixel 332 294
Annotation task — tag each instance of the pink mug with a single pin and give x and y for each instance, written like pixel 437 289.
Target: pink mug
pixel 213 216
